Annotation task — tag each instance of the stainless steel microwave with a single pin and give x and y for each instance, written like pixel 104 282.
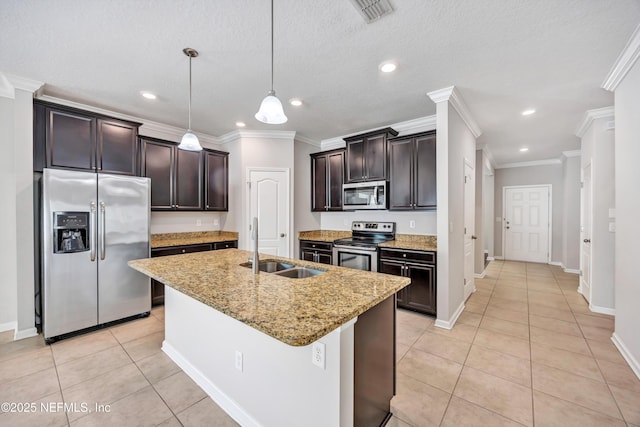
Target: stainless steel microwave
pixel 364 195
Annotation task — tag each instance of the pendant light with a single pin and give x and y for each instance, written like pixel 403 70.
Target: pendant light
pixel 189 140
pixel 270 111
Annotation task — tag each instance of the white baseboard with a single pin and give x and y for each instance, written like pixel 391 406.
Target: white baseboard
pixel 25 333
pixel 499 258
pixel 225 402
pixel 9 326
pixel 448 324
pixel 602 310
pixel 571 270
pixel 558 263
pixel 579 290
pixel 633 363
pixel 480 276
pixel 490 258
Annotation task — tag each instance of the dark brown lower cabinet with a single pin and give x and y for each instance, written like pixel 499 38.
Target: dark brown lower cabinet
pixel 315 251
pixel 420 267
pixel 157 288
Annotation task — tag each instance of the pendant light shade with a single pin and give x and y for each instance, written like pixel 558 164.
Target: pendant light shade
pixel 271 111
pixel 189 140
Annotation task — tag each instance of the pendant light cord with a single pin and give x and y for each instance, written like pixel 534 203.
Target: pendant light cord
pixel 271 45
pixel 190 57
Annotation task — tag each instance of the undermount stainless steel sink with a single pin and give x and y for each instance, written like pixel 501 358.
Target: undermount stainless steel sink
pixel 299 272
pixel 269 266
pixel 284 269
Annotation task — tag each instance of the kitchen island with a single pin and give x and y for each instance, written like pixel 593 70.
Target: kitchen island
pixel 250 341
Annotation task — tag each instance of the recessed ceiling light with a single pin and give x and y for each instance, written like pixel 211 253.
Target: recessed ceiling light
pixel 148 95
pixel 528 112
pixel 295 102
pixel 240 124
pixel 388 67
pixel 524 149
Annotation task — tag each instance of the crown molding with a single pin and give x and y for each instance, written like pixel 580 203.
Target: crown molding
pixel 528 164
pixel 624 63
pixel 572 153
pixel 238 134
pixel 9 83
pixel 148 127
pixel 421 124
pixel 590 116
pixel 306 140
pixel 454 97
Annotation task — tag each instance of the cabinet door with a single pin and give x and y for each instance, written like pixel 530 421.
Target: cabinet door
pixel 336 179
pixel 225 245
pixel 355 160
pixel 425 172
pixel 117 147
pixel 376 158
pixel 325 258
pixel 188 189
pixel 307 255
pixel 71 140
pixel 319 183
pixel 216 181
pixel 400 173
pixel 422 290
pixel 157 164
pixel 395 268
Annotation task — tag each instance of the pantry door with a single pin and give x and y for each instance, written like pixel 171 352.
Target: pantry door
pixel 269 202
pixel 526 223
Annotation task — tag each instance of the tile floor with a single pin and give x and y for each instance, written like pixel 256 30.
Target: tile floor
pixel 526 351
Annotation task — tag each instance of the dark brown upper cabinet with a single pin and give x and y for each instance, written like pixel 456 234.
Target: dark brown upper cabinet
pixel 366 155
pixel 412 172
pixel 216 180
pixel 176 175
pixel 68 138
pixel 327 177
pixel 183 180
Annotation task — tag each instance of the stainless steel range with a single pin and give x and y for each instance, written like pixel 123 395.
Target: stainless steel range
pixel 360 251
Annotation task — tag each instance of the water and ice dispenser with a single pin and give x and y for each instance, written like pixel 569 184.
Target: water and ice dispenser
pixel 70 232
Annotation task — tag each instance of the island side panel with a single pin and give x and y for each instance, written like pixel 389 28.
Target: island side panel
pixel 278 384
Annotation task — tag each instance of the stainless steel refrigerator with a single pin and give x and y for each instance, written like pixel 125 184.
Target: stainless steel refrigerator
pixel 92 225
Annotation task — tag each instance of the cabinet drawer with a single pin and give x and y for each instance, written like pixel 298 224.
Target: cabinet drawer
pixel 407 255
pixel 320 246
pixel 225 245
pixel 177 250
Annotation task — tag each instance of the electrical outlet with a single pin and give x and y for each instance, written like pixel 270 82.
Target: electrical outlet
pixel 612 227
pixel 216 222
pixel 239 360
pixel 317 354
pixel 412 224
pixel 198 222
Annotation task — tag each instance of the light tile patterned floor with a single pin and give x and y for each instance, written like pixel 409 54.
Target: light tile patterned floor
pixel 526 351
pixel 122 367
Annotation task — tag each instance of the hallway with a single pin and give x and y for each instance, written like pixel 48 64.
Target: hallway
pixel 526 351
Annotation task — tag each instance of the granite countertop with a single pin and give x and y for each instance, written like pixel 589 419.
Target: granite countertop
pixel 416 242
pixel 323 235
pixel 294 311
pixel 191 238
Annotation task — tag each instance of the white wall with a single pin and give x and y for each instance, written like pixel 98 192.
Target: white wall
pixel 303 218
pixel 489 214
pixel 8 258
pixel 598 151
pixel 175 222
pixel 532 175
pixel 571 214
pixel 627 177
pixel 425 221
pixel 479 211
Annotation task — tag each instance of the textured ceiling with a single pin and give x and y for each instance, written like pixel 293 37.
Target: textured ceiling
pixel 503 56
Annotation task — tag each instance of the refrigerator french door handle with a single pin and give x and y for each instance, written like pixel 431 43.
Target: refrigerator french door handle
pixel 103 246
pixel 93 231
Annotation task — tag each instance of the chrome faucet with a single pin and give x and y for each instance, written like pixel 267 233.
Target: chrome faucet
pixel 255 263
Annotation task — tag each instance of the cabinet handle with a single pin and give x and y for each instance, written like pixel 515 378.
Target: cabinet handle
pixel 184 251
pixel 207 206
pixel 404 255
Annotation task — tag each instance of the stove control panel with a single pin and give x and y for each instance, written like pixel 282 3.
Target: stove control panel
pixel 380 227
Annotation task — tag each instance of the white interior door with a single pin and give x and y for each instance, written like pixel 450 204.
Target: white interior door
pixel 526 223
pixel 269 202
pixel 469 224
pixel 585 234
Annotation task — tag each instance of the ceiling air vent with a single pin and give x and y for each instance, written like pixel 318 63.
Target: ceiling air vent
pixel 372 10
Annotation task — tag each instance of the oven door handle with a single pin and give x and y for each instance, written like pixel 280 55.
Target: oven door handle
pixel 355 248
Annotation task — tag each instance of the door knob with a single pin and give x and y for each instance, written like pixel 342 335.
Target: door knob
pixel 587 240
pixel 284 234
pixel 474 237
pixel 507 227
